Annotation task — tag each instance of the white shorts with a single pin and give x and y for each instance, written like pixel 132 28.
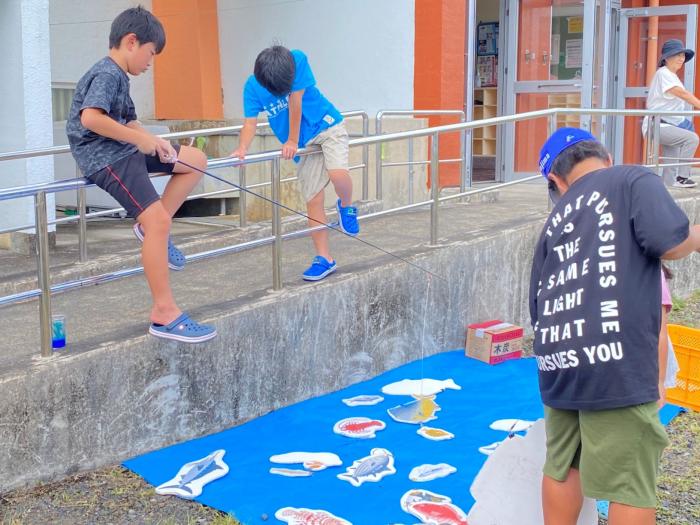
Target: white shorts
pixel 313 169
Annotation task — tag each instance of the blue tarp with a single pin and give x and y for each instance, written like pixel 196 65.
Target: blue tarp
pixel 251 493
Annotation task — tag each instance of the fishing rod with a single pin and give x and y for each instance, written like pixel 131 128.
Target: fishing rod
pixel 329 226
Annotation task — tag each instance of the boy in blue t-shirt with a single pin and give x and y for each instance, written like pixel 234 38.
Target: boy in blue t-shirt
pixel 284 87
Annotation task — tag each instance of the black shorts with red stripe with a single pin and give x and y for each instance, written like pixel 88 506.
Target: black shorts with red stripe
pixel 129 182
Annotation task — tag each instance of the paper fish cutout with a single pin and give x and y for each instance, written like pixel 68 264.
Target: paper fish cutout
pixel 506 425
pixel 511 425
pixel 419 387
pixel 311 460
pixel 192 476
pixel 358 427
pixel 294 516
pixel 290 472
pixel 365 400
pixel 435 434
pixel 429 472
pixel 488 449
pixel 431 513
pixel 419 495
pixel 415 412
pixel 374 467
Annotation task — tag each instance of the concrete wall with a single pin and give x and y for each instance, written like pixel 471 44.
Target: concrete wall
pixel 360 51
pixel 80 37
pixel 25 104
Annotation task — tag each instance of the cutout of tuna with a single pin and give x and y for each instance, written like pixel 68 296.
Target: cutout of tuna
pixel 374 467
pixel 415 412
pixel 295 516
pixel 434 434
pixel 358 427
pixel 363 400
pixel 427 472
pixel 192 476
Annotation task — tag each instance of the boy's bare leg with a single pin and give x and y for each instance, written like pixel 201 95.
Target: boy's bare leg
pixel 315 210
pixel 342 182
pixel 155 221
pixel 562 500
pixel 625 515
pixel 184 179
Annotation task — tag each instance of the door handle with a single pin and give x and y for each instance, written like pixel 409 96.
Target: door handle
pixel 529 56
pixel 572 84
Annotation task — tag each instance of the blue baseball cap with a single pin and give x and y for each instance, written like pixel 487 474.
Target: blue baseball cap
pixel 560 140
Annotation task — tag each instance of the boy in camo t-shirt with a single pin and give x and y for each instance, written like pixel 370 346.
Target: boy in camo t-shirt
pixel 116 153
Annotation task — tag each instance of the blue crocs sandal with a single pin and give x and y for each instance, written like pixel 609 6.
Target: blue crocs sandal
pixel 183 329
pixel 176 259
pixel 347 219
pixel 320 268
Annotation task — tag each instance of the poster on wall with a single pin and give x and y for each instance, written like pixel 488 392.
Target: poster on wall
pixel 575 24
pixel 574 53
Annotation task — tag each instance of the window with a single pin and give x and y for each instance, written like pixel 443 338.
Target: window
pixel 61 98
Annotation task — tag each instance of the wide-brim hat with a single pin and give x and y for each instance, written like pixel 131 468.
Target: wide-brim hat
pixel 674 47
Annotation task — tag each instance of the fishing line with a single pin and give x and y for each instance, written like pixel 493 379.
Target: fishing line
pixel 329 226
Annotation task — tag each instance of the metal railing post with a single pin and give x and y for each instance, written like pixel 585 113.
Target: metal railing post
pixel 242 197
pixel 365 158
pixel 276 228
pixel 552 123
pixel 42 264
pixel 434 188
pixel 463 153
pixel 82 224
pixel 655 146
pixel 410 171
pixel 649 139
pixel 378 158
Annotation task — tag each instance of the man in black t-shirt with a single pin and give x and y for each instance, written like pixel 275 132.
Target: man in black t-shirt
pixel 595 298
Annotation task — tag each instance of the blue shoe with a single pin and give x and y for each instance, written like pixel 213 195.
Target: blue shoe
pixel 320 268
pixel 183 329
pixel 347 219
pixel 176 259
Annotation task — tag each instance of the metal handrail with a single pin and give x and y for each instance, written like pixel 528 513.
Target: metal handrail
pixel 414 113
pixel 80 183
pixel 39 192
pixel 226 130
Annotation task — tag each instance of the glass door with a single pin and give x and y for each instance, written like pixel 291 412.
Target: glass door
pixel 642 34
pixel 553 66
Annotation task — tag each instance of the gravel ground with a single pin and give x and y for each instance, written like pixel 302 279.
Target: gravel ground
pixel 116 496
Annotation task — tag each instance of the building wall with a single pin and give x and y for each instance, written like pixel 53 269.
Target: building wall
pixel 25 105
pixel 79 31
pixel 361 51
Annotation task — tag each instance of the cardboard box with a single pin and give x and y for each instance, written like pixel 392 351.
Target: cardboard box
pixel 494 341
